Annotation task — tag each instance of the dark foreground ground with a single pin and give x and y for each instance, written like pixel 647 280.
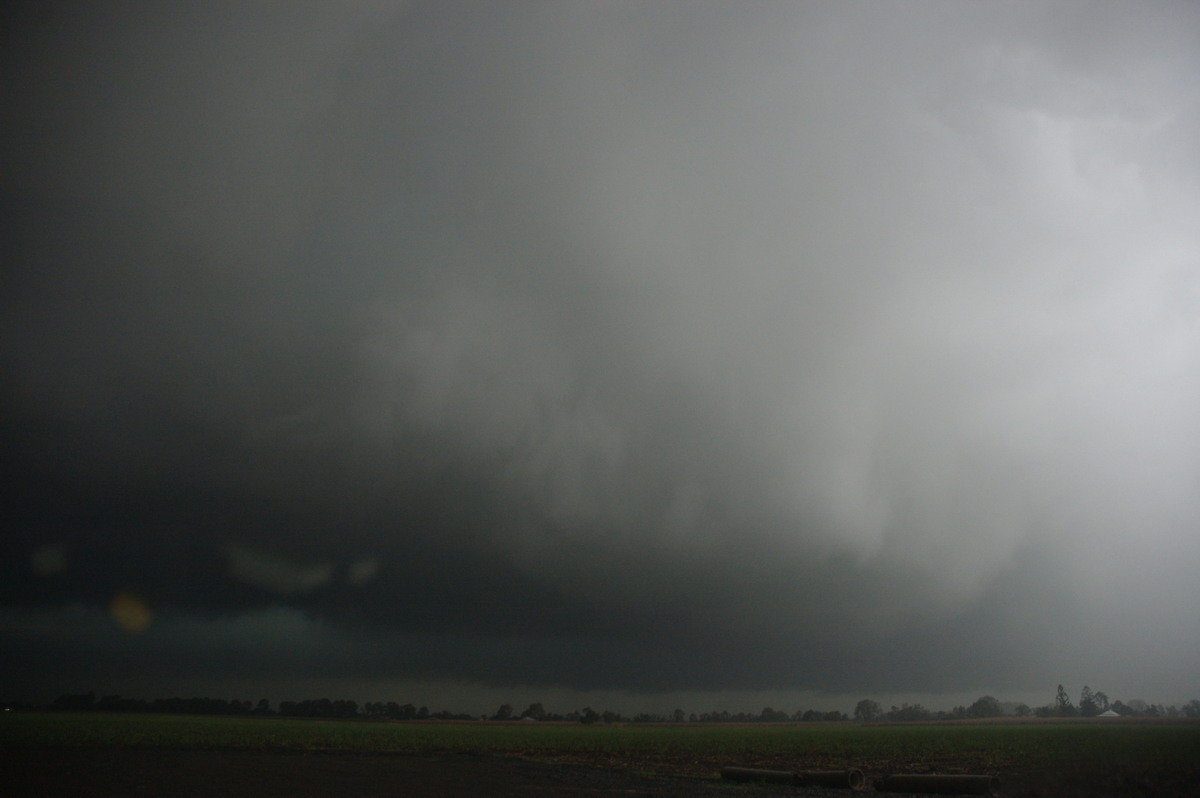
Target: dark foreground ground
pixel 174 773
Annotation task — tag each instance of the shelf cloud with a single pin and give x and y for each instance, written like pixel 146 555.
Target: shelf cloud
pixel 844 348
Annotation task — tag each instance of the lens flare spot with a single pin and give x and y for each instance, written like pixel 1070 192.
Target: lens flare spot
pixel 130 612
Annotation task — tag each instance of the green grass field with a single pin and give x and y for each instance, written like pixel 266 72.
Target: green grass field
pixel 1115 752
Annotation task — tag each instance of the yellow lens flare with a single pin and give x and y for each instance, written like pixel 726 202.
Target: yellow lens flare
pixel 130 612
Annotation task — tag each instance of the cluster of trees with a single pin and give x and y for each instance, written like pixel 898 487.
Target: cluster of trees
pixel 1091 704
pixel 588 715
pixel 984 707
pixel 1095 702
pixel 769 715
pixel 393 711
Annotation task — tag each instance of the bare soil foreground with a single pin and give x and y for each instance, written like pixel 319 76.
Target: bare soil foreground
pixel 173 773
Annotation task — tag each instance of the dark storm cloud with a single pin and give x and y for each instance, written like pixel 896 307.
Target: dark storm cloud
pixel 605 346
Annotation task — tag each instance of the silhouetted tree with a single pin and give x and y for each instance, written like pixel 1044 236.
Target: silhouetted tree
pixel 75 703
pixel 1087 703
pixel 535 711
pixel 985 707
pixel 1062 704
pixel 909 712
pixel 109 703
pixel 867 710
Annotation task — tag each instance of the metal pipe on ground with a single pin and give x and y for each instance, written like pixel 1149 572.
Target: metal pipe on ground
pixel 950 783
pixel 756 774
pixel 852 779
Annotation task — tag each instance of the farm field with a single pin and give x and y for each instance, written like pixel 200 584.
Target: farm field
pixel 1120 757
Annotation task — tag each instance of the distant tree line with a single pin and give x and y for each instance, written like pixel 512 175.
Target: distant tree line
pixel 309 708
pixel 1091 704
pixel 984 707
pixel 1095 702
pixel 88 702
pixel 392 710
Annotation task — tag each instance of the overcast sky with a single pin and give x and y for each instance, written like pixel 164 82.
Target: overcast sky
pixel 645 349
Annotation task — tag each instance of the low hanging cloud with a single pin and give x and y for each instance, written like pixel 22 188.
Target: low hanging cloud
pixel 616 346
pixel 274 574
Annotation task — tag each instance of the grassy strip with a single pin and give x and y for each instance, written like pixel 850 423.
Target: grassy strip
pixel 1074 748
